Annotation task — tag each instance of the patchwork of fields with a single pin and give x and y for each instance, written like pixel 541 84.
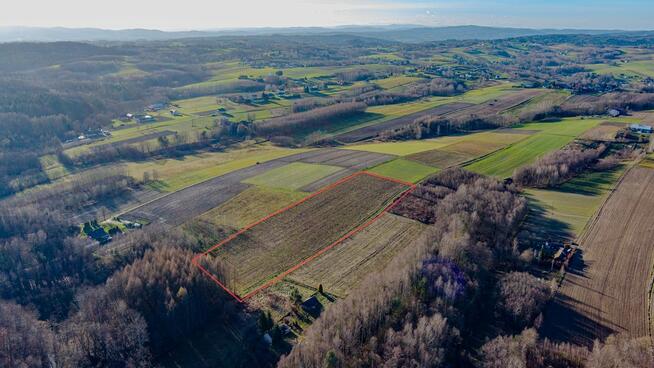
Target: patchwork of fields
pixel 256 256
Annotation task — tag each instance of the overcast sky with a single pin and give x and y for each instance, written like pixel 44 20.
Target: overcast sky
pixel 213 14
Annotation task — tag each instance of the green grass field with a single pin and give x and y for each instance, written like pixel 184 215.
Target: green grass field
pixel 293 176
pixel 550 137
pixel 394 81
pixel 568 208
pixel 470 144
pixel 52 167
pixel 175 174
pixel 639 68
pixel 406 170
pixel 399 148
pixel 502 163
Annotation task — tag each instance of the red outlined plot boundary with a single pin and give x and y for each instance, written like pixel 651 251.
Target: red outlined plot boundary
pixel 279 277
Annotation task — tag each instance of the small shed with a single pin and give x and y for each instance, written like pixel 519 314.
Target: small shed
pixel 641 128
pixel 100 235
pixel 312 306
pixel 614 113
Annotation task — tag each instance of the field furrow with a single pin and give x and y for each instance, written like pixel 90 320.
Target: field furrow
pixel 606 290
pixel 259 254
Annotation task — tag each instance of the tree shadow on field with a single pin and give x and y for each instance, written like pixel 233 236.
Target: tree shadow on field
pixel 589 183
pixel 563 322
pixel 540 227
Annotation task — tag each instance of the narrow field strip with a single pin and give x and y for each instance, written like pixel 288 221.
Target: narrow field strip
pixel 262 253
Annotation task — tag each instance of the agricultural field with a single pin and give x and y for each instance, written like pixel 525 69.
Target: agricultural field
pixel 607 287
pixel 605 132
pixel 346 265
pixel 563 212
pixel 251 205
pixel 372 129
pixel 405 170
pixel 394 81
pixel 549 98
pixel 256 256
pixel 469 147
pixel 403 148
pixel 293 176
pixel 170 175
pixel 637 68
pixel 547 137
pixel 487 141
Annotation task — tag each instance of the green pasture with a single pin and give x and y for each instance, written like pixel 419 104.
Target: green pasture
pixel 174 174
pixel 293 176
pixel 406 170
pixel 567 209
pixel 550 136
pixel 638 68
pixel 394 81
pixel 503 162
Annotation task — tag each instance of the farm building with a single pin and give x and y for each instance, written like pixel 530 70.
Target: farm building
pixel 614 113
pixel 100 235
pixel 641 128
pixel 156 106
pixel 144 118
pixel 312 306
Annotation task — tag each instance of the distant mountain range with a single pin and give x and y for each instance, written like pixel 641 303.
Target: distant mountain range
pixel 399 33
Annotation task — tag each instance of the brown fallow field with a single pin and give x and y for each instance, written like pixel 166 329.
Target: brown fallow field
pixel 605 132
pixel 606 289
pixel 496 106
pixel 263 252
pixel 347 264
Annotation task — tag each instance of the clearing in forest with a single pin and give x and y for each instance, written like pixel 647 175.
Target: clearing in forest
pixel 264 252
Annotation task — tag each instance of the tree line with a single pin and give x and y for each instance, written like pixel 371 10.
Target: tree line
pixel 558 166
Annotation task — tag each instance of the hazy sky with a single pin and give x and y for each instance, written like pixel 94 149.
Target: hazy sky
pixel 211 14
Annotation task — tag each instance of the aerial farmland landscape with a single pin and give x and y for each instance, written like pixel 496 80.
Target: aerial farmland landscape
pixel 327 184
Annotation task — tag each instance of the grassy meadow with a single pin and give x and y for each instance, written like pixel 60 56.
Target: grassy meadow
pixel 293 176
pixel 547 137
pixel 406 170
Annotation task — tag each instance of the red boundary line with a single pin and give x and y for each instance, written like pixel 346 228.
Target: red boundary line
pixel 279 277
